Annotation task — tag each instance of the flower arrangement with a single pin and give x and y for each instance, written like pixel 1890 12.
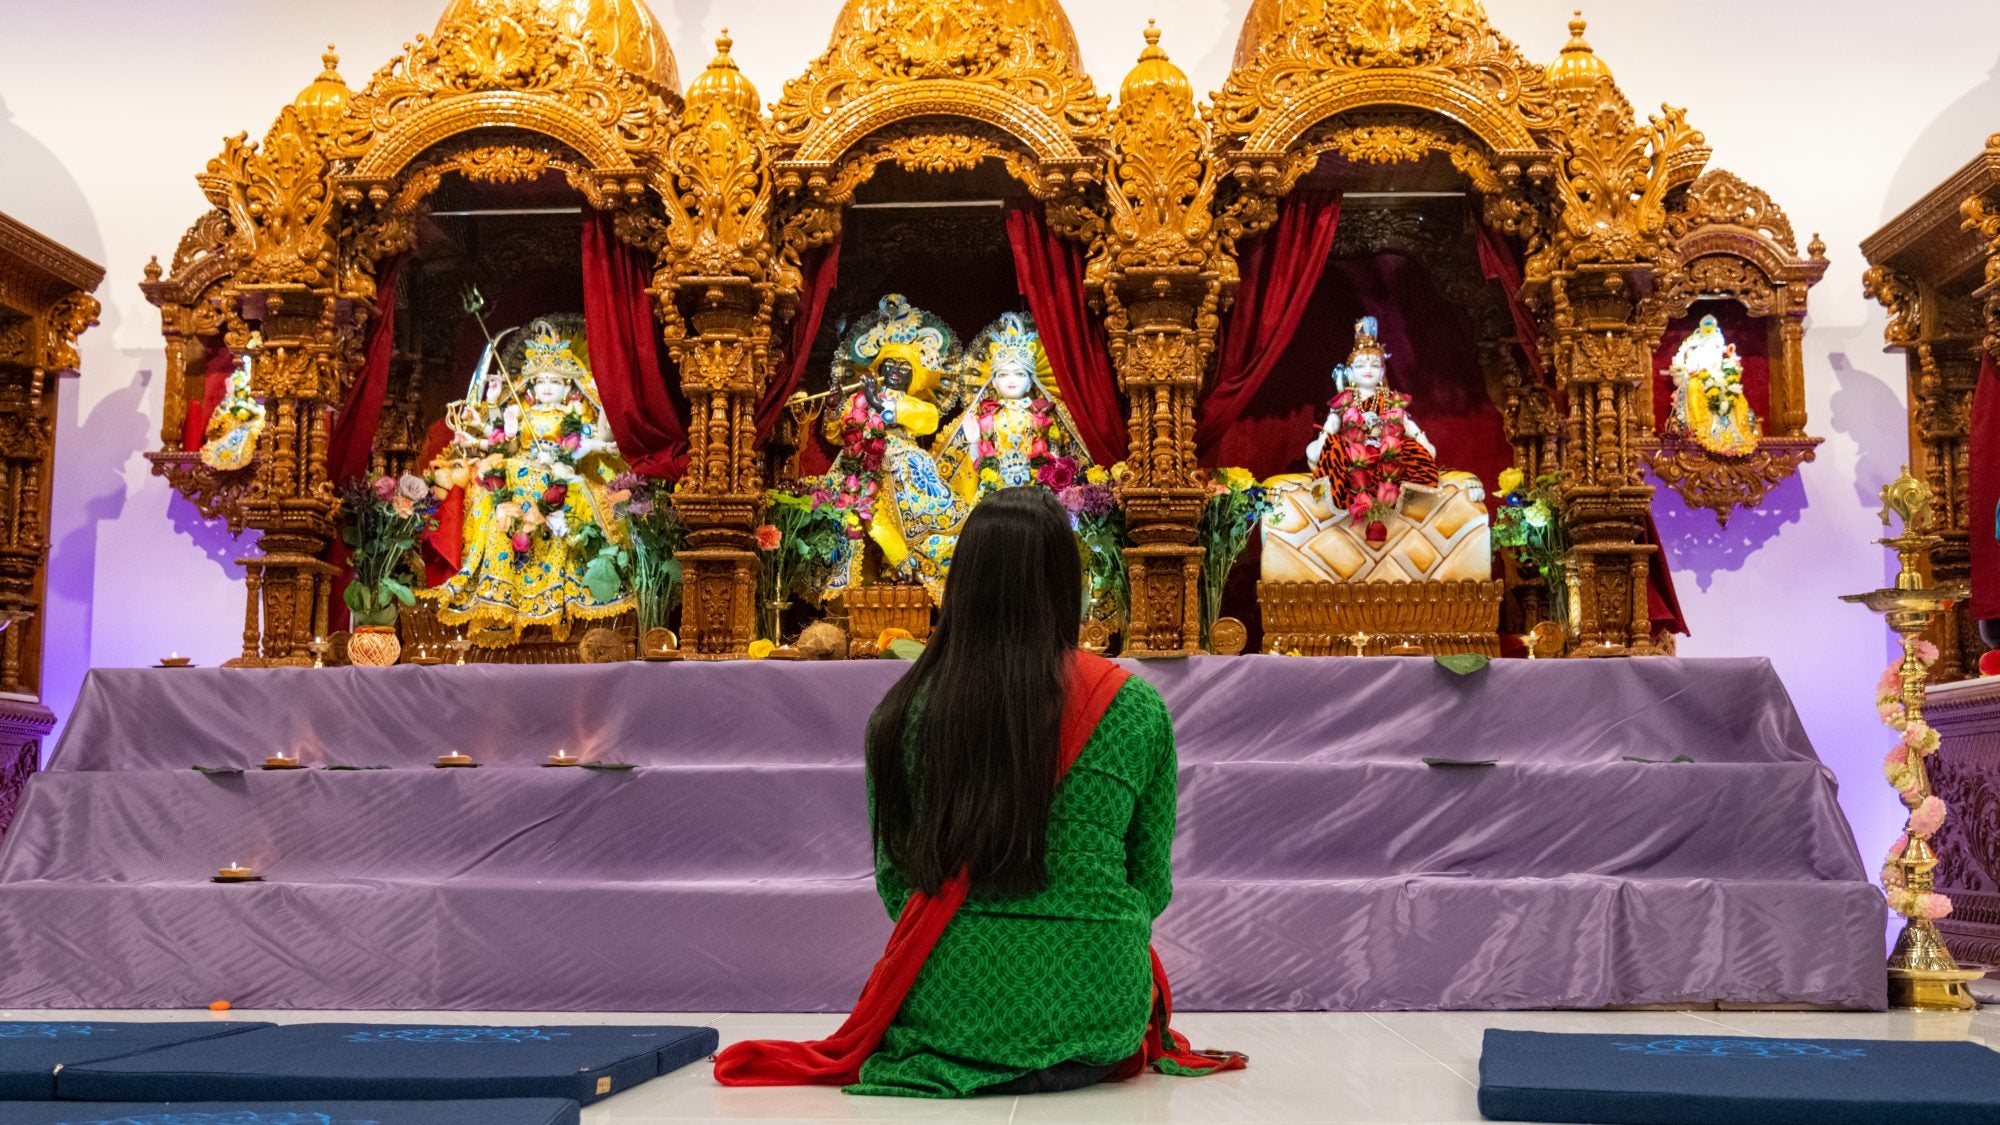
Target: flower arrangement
pixel 1530 523
pixel 1375 469
pixel 1904 767
pixel 795 550
pixel 858 468
pixel 382 519
pixel 1236 503
pixel 1100 534
pixel 647 563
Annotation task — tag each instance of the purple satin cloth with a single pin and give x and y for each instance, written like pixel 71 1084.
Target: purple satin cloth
pixel 1319 862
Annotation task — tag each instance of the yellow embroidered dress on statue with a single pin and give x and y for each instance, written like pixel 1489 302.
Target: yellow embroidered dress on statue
pixel 536 491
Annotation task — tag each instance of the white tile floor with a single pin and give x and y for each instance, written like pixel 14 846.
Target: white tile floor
pixel 1323 1067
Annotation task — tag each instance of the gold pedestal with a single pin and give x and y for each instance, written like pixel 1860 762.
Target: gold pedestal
pixel 873 609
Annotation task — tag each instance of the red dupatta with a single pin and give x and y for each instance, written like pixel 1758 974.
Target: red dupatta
pixel 836 1061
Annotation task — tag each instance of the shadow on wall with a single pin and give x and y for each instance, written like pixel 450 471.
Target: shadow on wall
pixel 1868 410
pixel 1697 544
pixel 1952 138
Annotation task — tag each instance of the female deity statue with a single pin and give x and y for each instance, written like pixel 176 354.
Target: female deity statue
pixel 1709 403
pixel 1370 447
pixel 1016 430
pixel 230 441
pixel 883 482
pixel 536 467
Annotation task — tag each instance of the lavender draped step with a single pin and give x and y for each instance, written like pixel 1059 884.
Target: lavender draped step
pixel 1320 864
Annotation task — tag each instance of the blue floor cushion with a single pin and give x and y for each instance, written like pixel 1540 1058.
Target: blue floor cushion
pixel 524 1111
pixel 1716 1080
pixel 354 1061
pixel 31 1051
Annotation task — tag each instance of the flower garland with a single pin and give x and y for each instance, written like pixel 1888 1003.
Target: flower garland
pixel 864 442
pixel 1905 770
pixel 1374 470
pixel 1042 432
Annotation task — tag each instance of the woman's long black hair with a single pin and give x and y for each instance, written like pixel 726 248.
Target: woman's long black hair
pixel 963 751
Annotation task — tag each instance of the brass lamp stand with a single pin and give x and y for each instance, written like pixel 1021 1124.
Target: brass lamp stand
pixel 1922 972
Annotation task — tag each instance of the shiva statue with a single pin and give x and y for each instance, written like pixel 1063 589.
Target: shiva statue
pixel 534 456
pixel 1369 446
pixel 902 362
pixel 231 438
pixel 1016 430
pixel 1709 403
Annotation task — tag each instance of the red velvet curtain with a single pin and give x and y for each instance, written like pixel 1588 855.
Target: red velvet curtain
pixel 351 446
pixel 1280 272
pixel 1498 263
pixel 624 353
pixel 822 275
pixel 1049 269
pixel 1983 490
pixel 214 387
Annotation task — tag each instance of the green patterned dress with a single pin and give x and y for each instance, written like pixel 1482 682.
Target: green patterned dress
pixel 1016 985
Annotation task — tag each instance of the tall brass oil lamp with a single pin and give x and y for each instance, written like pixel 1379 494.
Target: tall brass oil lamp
pixel 1923 974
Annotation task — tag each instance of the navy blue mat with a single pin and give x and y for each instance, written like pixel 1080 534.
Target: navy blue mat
pixel 524 1111
pixel 1668 1080
pixel 30 1052
pixel 360 1061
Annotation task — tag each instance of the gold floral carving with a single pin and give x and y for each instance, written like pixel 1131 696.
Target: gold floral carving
pixel 1898 295
pixel 1724 484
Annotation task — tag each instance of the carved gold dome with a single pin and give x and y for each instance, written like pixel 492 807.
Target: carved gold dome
pixel 324 103
pixel 1578 68
pixel 1155 71
pixel 626 30
pixel 1267 18
pixel 724 82
pixel 959 24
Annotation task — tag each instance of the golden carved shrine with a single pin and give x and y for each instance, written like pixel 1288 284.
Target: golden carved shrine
pixel 45 304
pixel 1618 233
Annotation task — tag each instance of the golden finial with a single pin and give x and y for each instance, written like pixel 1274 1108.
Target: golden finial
pixel 1578 69
pixel 153 270
pixel 1816 249
pixel 324 103
pixel 724 82
pixel 1155 69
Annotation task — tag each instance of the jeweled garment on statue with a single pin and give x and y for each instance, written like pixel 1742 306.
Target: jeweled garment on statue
pixel 535 492
pixel 1709 403
pixel 1016 425
pixel 231 439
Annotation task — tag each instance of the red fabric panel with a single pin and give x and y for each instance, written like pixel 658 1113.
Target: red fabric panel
pixel 1752 338
pixel 1983 490
pixel 1663 602
pixel 1498 262
pixel 351 445
pixel 1049 269
pixel 214 388
pixel 836 1061
pixel 625 356
pixel 822 276
pixel 1280 270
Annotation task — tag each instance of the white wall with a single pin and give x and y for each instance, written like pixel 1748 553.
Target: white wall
pixel 109 107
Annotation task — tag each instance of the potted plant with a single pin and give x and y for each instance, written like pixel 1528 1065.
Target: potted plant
pixel 383 518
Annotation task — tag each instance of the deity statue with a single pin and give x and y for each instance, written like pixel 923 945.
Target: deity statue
pixel 230 441
pixel 885 484
pixel 1016 430
pixel 1709 403
pixel 1369 446
pixel 534 457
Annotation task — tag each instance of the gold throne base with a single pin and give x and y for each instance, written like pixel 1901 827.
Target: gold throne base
pixel 1435 618
pixel 874 608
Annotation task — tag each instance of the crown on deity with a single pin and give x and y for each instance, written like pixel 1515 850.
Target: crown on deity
pixel 549 354
pixel 1367 340
pixel 1015 343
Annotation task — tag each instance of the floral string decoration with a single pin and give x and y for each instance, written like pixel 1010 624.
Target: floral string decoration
pixel 1375 469
pixel 1042 434
pixel 864 443
pixel 1904 767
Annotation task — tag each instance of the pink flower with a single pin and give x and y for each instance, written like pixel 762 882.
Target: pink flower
pixel 403 506
pixel 385 488
pixel 1928 818
pixel 572 442
pixel 821 497
pixel 521 542
pixel 1897 761
pixel 1891 684
pixel 988 451
pixel 1927 651
pixel 1891 711
pixel 1061 473
pixel 1038 449
pixel 1388 492
pixel 768 538
pixel 1934 906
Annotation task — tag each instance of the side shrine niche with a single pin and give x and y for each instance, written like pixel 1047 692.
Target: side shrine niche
pixel 45 305
pixel 315 318
pixel 1935 269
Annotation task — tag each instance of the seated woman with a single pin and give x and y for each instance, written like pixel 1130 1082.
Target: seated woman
pixel 1023 796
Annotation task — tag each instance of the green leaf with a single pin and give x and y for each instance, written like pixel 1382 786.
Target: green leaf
pixel 1455 764
pixel 608 767
pixel 218 771
pixel 602 579
pixel 902 649
pixel 1464 664
pixel 391 588
pixel 358 597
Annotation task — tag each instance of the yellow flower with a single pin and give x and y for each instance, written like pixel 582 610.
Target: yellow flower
pixel 1236 479
pixel 1096 475
pixel 1119 470
pixel 1511 481
pixel 989 477
pixel 761 649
